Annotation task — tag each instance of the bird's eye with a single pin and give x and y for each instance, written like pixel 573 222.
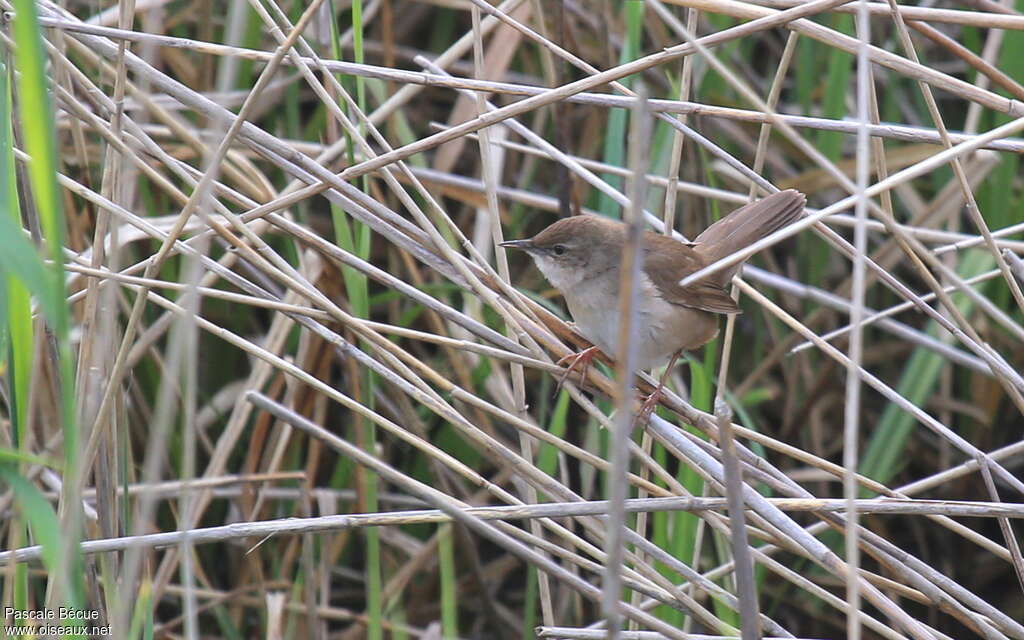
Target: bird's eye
pixel 559 249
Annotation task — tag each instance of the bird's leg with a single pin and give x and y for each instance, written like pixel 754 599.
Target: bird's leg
pixel 647 408
pixel 583 359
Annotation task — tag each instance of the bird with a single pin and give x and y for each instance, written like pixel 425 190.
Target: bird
pixel 581 256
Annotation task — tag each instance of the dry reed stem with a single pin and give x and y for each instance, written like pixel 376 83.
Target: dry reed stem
pixel 237 206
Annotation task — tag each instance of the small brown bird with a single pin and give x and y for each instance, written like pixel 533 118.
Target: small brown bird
pixel 581 256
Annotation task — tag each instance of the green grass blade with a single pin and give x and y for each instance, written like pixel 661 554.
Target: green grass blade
pixel 547 457
pixel 37 511
pixel 38 133
pixel 837 79
pixel 615 138
pixel 17 304
pixel 355 238
pixel 449 586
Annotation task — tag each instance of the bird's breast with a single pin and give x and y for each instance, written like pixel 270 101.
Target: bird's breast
pixel 660 328
pixel 595 311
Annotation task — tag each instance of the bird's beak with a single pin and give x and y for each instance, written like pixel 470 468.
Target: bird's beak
pixel 525 245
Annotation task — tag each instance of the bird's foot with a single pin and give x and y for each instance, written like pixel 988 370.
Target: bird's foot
pixel 647 408
pixel 649 405
pixel 583 360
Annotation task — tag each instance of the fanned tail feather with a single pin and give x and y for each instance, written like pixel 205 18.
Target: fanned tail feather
pixel 747 225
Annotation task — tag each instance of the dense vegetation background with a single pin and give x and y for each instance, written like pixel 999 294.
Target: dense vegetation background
pixel 253 283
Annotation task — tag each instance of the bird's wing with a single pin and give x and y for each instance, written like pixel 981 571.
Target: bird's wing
pixel 668 261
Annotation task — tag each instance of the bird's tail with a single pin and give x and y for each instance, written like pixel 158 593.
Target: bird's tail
pixel 747 225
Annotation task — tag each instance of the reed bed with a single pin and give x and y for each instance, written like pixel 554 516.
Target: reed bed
pixel 269 374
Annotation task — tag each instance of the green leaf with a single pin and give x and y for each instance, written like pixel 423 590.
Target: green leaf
pixel 11 455
pixel 14 294
pixel 37 127
pixel 37 511
pixel 615 138
pixel 837 80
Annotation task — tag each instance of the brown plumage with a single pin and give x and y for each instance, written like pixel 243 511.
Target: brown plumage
pixel 581 256
pixel 746 225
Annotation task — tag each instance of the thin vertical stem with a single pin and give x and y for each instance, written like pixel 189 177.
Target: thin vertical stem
pixel 851 425
pixel 685 80
pixel 629 297
pixel 743 562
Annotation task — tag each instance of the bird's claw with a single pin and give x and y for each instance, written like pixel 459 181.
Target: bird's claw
pixel 648 406
pixel 583 359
